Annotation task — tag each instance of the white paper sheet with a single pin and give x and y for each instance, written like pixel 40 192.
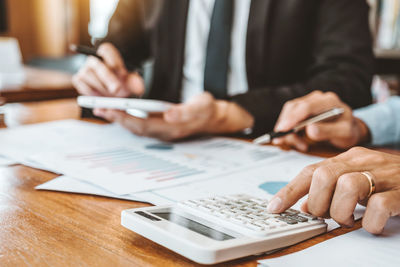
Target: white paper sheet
pixel 135 167
pixel 262 181
pixel 72 185
pixel 6 161
pixel 254 180
pixel 357 248
pixel 111 157
pixel 20 143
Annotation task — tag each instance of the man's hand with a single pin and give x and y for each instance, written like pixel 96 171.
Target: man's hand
pixel 336 185
pixel 203 114
pixel 344 132
pixel 109 78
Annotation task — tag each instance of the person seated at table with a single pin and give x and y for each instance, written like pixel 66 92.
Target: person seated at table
pixel 232 64
pixel 360 175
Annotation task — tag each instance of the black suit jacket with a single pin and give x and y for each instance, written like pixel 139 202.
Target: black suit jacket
pixel 293 48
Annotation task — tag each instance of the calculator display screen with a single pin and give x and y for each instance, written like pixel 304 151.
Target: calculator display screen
pixel 194 226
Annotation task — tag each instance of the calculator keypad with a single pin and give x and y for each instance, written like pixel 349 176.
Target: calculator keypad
pixel 250 213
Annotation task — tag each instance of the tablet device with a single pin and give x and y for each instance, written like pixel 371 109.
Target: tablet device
pixel 145 105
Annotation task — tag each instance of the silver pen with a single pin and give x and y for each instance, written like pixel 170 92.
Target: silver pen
pixel 330 114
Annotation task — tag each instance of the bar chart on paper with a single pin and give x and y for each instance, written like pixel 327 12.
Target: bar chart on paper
pixel 142 166
pixel 130 162
pixel 124 170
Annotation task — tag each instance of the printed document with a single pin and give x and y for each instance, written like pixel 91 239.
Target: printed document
pixel 356 249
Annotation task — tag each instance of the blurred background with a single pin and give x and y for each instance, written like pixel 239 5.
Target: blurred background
pixel 46 28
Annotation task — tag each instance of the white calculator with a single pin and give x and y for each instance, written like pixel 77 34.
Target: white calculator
pixel 219 229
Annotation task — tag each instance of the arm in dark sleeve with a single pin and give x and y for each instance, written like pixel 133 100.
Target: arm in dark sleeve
pixel 342 63
pixel 128 33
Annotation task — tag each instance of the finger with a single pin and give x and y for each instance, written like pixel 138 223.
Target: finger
pixel 325 131
pixel 380 208
pixel 93 81
pixel 151 127
pixel 134 124
pixel 302 108
pixel 323 186
pixel 113 59
pixel 135 84
pixel 200 106
pixel 278 141
pixel 302 183
pixel 84 88
pixel 304 206
pixel 350 189
pixel 293 140
pixel 291 193
pixel 105 74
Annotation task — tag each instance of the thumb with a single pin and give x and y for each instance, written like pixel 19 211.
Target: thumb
pixel 135 84
pixel 290 116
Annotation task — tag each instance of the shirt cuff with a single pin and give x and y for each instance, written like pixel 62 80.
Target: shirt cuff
pixel 378 119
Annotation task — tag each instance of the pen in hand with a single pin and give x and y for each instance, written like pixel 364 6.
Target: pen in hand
pixel 85 50
pixel 330 114
pixel 90 51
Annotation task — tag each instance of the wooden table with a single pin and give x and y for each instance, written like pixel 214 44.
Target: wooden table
pixel 40 85
pixel 40 228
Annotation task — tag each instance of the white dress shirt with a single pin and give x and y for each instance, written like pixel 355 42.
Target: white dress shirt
pixel 197 31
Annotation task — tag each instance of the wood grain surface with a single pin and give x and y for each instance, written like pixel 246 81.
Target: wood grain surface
pixel 42 228
pixel 40 85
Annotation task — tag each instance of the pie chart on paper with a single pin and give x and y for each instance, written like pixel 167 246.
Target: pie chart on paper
pixel 272 187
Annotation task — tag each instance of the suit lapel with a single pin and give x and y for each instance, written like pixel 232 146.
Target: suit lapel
pixel 256 39
pixel 170 47
pixel 177 42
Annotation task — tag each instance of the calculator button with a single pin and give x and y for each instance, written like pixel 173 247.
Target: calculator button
pixel 249 213
pixel 231 212
pixel 241 211
pixel 215 207
pixel 287 220
pixel 276 223
pixel 292 211
pixel 246 218
pixel 260 217
pixel 254 227
pixel 222 214
pixel 312 217
pixel 253 216
pixel 263 223
pixel 206 208
pixel 259 201
pixel 236 197
pixel 192 203
pixel 238 220
pixel 298 218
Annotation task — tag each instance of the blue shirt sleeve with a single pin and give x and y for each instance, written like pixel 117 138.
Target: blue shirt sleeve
pixel 383 121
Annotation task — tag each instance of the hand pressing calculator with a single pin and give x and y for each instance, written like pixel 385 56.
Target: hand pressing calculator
pixel 218 229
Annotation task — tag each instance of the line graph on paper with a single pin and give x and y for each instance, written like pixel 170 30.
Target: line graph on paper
pixel 130 162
